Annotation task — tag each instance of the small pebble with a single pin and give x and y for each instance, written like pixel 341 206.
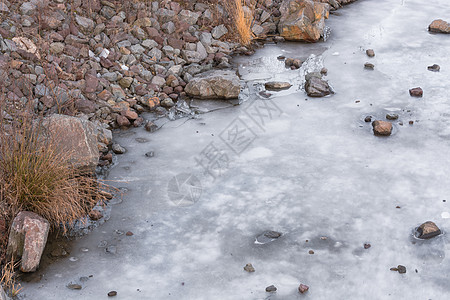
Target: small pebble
pixel 368 119
pixel 271 288
pixel 370 53
pixel 129 233
pixel 311 252
pixel 391 116
pixel 411 122
pixel 74 286
pixel 249 268
pixel 367 246
pixel 303 288
pixel 434 68
pixel 150 154
pixel 112 294
pixel 401 269
pixel 369 66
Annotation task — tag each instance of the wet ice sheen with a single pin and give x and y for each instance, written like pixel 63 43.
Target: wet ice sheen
pixel 317 171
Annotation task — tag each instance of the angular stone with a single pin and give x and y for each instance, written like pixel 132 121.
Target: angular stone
pixel 428 230
pixel 249 268
pixel 87 25
pixel 277 85
pixel 315 86
pixel 271 288
pixel 382 128
pixel 77 139
pixel 370 53
pixel 219 31
pixel 27 239
pixel 302 20
pixel 150 126
pixel 214 85
pixel 122 121
pixel 439 26
pixel 189 16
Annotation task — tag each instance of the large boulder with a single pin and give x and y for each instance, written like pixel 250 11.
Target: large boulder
pixel 27 239
pixel 214 85
pixel 439 26
pixel 78 139
pixel 302 20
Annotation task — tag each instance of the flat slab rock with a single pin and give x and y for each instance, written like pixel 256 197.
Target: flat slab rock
pixel 277 85
pixel 216 84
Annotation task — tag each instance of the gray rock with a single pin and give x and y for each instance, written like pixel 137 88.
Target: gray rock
pixel 257 29
pixel 110 76
pixel 87 25
pixel 149 44
pixel 159 81
pixel 271 288
pixel 434 68
pixel 214 85
pixel 317 87
pixel 117 149
pixel 27 8
pixel 155 53
pixel 167 103
pixel 168 27
pixel 3 295
pixel 219 31
pixel 137 49
pixel 189 16
pixel 27 239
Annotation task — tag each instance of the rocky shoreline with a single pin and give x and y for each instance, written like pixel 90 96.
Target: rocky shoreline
pixel 92 66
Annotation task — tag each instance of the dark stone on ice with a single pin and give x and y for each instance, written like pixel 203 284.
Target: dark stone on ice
pixel 317 87
pixel 271 288
pixel 74 286
pixel 401 269
pixel 367 246
pixel 428 230
pixel 150 154
pixel 272 234
pixel 112 294
pixel 434 68
pixel 368 119
pixel 369 66
pixel 391 116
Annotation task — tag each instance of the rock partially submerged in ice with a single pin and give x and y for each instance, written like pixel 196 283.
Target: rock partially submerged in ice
pixel 315 86
pixel 382 128
pixel 215 84
pixel 439 26
pixel 427 230
pixel 267 237
pixel 277 85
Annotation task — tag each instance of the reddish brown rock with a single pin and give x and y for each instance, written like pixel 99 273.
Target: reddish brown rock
pixel 152 102
pixel 428 230
pixel 302 20
pixel 27 239
pixel 129 114
pixel 383 128
pixel 122 121
pixel 303 288
pixel 439 26
pixel 416 92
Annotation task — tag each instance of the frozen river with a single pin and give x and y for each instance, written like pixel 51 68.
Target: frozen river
pixel 308 168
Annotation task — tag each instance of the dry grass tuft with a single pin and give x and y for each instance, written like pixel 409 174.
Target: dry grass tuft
pixel 241 18
pixel 8 279
pixel 38 178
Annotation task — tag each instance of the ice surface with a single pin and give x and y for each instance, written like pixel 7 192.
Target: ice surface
pixel 313 171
